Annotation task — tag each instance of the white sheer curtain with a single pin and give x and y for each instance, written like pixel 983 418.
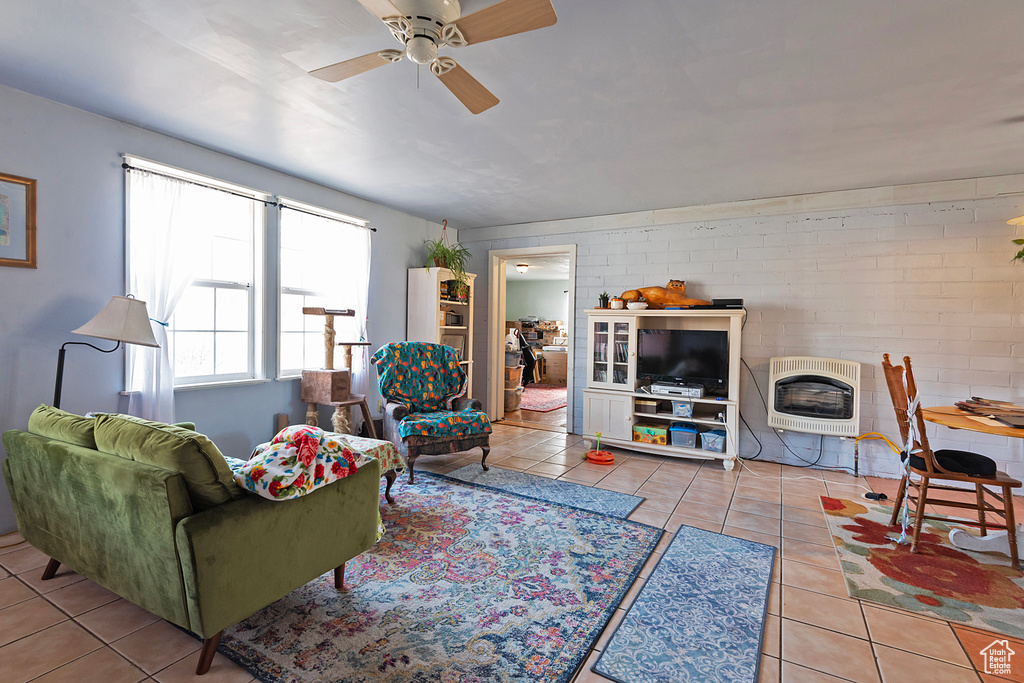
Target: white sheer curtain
pixel 159 271
pixel 332 258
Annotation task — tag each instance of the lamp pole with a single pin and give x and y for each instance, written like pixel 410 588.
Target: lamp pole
pixel 60 366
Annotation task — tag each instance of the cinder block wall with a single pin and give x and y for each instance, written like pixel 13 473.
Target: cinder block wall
pixel 933 281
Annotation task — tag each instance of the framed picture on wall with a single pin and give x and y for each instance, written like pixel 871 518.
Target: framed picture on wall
pixel 17 221
pixel 456 341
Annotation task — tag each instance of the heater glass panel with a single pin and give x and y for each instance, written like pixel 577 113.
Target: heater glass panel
pixel 813 396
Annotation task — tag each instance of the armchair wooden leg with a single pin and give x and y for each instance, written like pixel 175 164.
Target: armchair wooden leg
pixel 898 503
pixel 411 458
pixel 339 577
pixel 206 654
pixel 483 460
pixel 390 476
pixel 51 569
pixel 1011 526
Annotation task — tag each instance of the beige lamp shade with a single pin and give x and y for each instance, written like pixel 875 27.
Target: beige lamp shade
pixel 124 319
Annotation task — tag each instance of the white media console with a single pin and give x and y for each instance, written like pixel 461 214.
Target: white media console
pixel 610 399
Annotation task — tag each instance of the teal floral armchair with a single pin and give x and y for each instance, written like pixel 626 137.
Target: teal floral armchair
pixel 427 412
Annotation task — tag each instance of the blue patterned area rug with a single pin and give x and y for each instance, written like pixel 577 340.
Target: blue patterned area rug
pixel 468 585
pixel 699 618
pixel 601 501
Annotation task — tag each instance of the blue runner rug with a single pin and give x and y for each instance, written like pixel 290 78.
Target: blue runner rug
pixel 699 618
pixel 601 501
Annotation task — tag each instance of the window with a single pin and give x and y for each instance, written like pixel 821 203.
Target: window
pixel 324 262
pixel 208 268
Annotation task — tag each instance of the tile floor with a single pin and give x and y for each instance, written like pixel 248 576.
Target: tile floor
pixel 70 629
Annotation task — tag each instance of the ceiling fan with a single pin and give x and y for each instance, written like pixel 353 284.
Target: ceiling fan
pixel 423 26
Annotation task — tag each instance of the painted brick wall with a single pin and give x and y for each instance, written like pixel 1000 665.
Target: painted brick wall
pixel 933 281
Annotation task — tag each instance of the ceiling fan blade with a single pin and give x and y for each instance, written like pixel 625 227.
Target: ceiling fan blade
pixel 349 68
pixel 381 8
pixel 506 18
pixel 476 97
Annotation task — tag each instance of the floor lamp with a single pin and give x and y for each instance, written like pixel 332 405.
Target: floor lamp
pixel 124 319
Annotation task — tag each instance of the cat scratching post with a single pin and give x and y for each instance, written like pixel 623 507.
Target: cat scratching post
pixel 330 386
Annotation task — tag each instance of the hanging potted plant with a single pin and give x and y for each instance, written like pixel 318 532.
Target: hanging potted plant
pixel 441 253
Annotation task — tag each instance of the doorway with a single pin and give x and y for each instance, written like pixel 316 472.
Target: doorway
pixel 532 295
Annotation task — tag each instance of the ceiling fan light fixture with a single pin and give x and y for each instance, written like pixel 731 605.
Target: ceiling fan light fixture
pixel 522 267
pixel 421 49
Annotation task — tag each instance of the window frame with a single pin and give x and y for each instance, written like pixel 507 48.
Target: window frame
pixel 285 374
pixel 256 332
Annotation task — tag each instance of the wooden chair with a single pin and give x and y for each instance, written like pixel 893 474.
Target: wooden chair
pixel 931 470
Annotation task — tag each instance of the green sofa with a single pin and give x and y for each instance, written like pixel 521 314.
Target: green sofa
pixel 151 512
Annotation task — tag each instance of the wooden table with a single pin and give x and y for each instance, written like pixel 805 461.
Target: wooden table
pixel 954 418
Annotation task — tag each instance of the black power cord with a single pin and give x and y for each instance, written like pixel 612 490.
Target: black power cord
pixel 759 446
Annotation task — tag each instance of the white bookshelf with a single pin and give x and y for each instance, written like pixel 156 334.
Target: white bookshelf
pixel 425 320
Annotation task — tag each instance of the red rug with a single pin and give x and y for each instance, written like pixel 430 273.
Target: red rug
pixel 543 398
pixel 980 590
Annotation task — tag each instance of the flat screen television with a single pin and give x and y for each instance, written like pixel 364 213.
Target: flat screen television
pixel 698 357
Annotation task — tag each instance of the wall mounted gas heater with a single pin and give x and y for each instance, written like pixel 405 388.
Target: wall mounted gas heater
pixel 814 395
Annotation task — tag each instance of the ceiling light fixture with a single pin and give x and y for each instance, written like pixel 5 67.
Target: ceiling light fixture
pixel 522 267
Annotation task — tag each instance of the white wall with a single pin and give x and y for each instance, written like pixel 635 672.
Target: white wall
pixel 74 156
pixel 546 299
pixel 933 281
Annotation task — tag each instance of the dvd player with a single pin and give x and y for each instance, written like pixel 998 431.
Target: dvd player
pixel 685 390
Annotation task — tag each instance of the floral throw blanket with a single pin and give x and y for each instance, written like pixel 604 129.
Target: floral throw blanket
pixel 299 460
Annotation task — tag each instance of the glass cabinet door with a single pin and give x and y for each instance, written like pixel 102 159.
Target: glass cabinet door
pixel 620 376
pixel 611 353
pixel 600 352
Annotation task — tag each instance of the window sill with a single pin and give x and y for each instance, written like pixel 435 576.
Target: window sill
pixel 228 383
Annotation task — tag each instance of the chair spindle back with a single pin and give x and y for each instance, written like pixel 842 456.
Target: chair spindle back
pixel 900 400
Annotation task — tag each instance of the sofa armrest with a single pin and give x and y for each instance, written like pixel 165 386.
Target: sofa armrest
pixel 467 404
pixel 108 518
pixel 241 556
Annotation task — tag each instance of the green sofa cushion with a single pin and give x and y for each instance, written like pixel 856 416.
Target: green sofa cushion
pixel 63 426
pixel 207 475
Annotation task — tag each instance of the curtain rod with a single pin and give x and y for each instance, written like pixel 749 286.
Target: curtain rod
pixel 268 202
pixel 320 215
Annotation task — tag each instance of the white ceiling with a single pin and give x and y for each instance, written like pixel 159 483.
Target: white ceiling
pixel 623 105
pixel 540 268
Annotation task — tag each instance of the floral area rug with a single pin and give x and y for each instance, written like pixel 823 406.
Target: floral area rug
pixel 602 501
pixel 699 617
pixel 543 398
pixel 468 585
pixel 940 580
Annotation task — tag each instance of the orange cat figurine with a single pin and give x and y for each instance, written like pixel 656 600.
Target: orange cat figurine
pixel 674 294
